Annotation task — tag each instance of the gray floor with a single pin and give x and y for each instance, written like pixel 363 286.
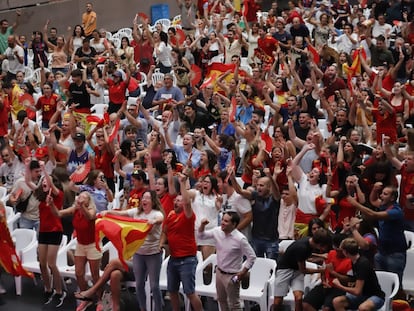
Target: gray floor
pixel 32 298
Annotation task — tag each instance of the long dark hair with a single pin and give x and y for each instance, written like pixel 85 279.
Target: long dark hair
pixel 41 195
pixel 126 148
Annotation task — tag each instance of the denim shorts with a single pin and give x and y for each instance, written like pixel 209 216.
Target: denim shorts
pixel 182 270
pixel 355 301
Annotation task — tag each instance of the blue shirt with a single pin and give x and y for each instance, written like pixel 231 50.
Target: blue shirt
pixel 391 231
pixel 182 156
pixel 98 195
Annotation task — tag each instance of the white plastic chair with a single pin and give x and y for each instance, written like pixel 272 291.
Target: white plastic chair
pixel 108 35
pixel 408 275
pixel 202 289
pixel 28 73
pixel 26 248
pixel 389 284
pixel 261 275
pixel 99 108
pixel 11 217
pixel 142 83
pixel 284 244
pixel 125 32
pixel 3 193
pixel 165 22
pixel 409 237
pixel 157 76
pixel 36 78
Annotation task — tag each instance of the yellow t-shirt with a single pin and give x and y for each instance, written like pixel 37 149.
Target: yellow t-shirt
pixel 89 22
pixel 15 101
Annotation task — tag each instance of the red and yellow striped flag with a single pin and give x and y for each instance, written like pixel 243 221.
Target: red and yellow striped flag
pixel 9 259
pixel 125 233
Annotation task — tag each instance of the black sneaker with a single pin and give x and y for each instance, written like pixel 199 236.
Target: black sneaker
pixel 59 298
pixel 47 297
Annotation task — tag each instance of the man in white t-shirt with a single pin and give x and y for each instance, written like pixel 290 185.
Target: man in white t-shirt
pixel 234 202
pixel 14 55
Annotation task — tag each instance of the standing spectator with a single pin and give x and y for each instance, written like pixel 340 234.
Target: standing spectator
pixel 265 211
pixel 117 87
pixel 233 44
pixel 39 47
pixel 6 31
pixel 50 196
pixel 84 214
pixel 392 246
pixel 14 54
pixel 188 11
pixel 179 231
pixel 89 20
pixel 291 268
pixel 143 46
pixel 162 52
pixel 147 259
pixel 231 247
pixel 231 201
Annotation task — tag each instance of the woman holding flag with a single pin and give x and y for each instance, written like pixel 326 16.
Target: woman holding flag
pixel 147 260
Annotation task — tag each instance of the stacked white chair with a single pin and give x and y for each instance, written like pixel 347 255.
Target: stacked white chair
pixel 389 284
pixel 12 218
pixel 26 248
pixel 262 275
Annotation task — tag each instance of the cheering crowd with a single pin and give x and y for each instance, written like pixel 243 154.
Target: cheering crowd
pixel 228 130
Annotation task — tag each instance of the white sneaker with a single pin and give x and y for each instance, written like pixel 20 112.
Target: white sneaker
pixel 59 299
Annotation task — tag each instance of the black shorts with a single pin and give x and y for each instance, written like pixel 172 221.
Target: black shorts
pixel 320 296
pixel 50 238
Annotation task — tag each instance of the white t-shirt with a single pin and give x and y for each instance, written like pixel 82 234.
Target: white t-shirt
pixel 307 194
pixel 14 64
pixel 240 205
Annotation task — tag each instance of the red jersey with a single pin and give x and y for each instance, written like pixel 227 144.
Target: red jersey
pixel 406 187
pixel 135 197
pixel 117 91
pixel 4 116
pixel 386 124
pixel 167 202
pixel 48 106
pixel 48 221
pixel 180 232
pixel 268 44
pixel 103 162
pixel 340 265
pixel 85 228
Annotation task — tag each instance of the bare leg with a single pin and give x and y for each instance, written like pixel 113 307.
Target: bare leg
pixel 94 266
pixel 175 301
pixel 80 262
pixel 44 270
pixel 298 300
pixel 52 251
pixel 113 265
pixel 195 302
pixel 116 278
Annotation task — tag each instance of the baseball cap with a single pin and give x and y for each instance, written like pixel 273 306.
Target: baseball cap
pixel 79 136
pixel 117 74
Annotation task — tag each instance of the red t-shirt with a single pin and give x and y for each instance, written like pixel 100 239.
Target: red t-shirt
pixel 386 124
pixel 406 187
pixel 135 197
pixel 103 162
pixel 4 115
pixel 167 202
pixel 48 221
pixel 180 232
pixel 116 91
pixel 340 265
pixel 268 44
pixel 47 105
pixel 85 228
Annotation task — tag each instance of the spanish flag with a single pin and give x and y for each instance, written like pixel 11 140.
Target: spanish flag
pixel 125 233
pixel 355 68
pixel 215 70
pixel 9 259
